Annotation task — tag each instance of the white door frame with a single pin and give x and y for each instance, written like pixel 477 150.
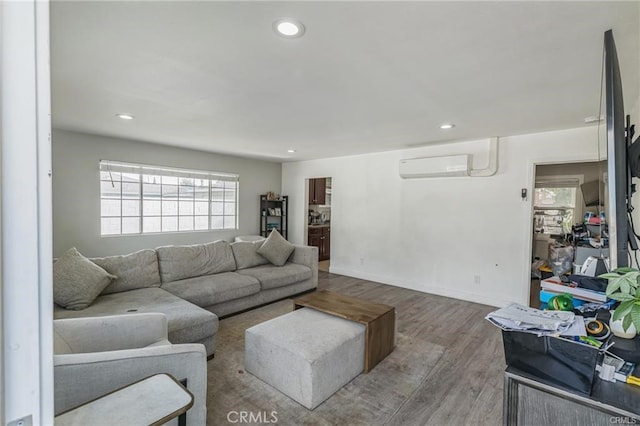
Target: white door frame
pixel 526 275
pixel 26 211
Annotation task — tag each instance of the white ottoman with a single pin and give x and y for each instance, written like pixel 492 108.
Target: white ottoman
pixel 306 354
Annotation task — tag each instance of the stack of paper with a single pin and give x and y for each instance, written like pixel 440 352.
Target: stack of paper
pixel 516 317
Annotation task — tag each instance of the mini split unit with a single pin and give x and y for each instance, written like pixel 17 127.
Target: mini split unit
pixel 449 165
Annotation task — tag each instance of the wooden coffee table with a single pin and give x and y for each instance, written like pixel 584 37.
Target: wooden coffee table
pixel 379 320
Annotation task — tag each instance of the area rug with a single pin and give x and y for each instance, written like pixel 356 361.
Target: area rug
pixel 369 399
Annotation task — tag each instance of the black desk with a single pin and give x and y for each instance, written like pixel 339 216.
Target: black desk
pixel 531 401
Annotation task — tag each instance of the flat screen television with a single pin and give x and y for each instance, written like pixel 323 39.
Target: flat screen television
pixel 621 233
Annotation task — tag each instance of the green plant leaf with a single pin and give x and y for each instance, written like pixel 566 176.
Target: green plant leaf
pixel 621 297
pixel 612 287
pixel 635 317
pixel 631 278
pixel 625 287
pixel 624 269
pixel 623 309
pixel 626 321
pixel 609 276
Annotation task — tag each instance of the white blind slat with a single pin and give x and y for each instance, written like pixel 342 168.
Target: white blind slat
pixel 558 183
pixel 165 171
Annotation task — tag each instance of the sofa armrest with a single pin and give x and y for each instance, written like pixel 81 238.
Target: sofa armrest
pixel 79 378
pixel 305 255
pixel 115 332
pixel 308 256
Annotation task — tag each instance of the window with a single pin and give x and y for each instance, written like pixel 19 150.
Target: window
pixel 139 199
pixel 554 204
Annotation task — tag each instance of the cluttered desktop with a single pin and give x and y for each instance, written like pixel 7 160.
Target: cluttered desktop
pixel 583 339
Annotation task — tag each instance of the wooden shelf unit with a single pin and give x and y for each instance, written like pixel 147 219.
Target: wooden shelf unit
pixel 270 220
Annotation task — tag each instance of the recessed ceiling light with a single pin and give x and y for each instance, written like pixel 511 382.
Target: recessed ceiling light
pixel 125 116
pixel 288 28
pixel 291 151
pixel 447 126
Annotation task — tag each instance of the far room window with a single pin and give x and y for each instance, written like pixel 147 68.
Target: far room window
pixel 555 205
pixel 141 199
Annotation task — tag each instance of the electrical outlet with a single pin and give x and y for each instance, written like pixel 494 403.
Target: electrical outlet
pixel 476 279
pixel 362 261
pixel 25 421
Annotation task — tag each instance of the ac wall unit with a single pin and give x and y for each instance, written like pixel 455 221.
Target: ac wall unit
pixel 450 165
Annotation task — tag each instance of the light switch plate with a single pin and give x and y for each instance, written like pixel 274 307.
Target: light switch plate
pixel 24 421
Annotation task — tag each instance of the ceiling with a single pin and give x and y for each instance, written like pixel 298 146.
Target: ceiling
pixel 365 77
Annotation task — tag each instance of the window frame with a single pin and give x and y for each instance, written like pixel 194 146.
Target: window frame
pixel 229 183
pixel 560 181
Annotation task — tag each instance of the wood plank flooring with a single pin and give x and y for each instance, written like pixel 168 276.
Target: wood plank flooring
pixel 456 356
pixel 323 265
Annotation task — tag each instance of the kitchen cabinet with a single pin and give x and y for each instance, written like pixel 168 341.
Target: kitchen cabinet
pixel 273 215
pixel 320 236
pixel 317 191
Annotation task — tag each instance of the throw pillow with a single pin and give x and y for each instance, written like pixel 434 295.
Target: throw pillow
pixel 246 254
pixel 276 249
pixel 77 281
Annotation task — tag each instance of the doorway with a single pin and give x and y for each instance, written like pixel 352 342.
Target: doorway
pixel 318 224
pixel 563 195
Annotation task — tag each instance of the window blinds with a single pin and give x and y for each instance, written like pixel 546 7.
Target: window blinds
pixel 141 169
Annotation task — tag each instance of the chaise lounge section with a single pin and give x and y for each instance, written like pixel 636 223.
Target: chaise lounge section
pixel 194 285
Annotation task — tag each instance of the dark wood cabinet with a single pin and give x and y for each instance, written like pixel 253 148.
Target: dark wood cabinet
pixel 273 215
pixel 320 236
pixel 315 238
pixel 317 191
pixel 326 244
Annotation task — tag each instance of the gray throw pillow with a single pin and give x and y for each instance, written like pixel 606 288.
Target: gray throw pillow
pixel 276 249
pixel 77 281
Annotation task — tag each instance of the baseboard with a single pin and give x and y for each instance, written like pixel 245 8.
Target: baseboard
pixel 421 287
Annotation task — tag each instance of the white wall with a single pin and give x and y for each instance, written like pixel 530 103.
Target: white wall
pixel 76 191
pixel 635 200
pixel 25 126
pixel 438 235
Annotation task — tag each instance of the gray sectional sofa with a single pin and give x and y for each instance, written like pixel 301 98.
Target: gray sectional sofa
pixel 194 285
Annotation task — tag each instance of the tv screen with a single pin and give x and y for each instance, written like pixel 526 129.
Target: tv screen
pixel 620 231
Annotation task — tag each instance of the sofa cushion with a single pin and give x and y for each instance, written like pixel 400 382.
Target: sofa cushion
pixel 77 281
pixel 60 346
pixel 187 322
pixel 276 248
pixel 271 276
pixel 246 254
pixel 180 262
pixel 135 270
pixel 211 289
